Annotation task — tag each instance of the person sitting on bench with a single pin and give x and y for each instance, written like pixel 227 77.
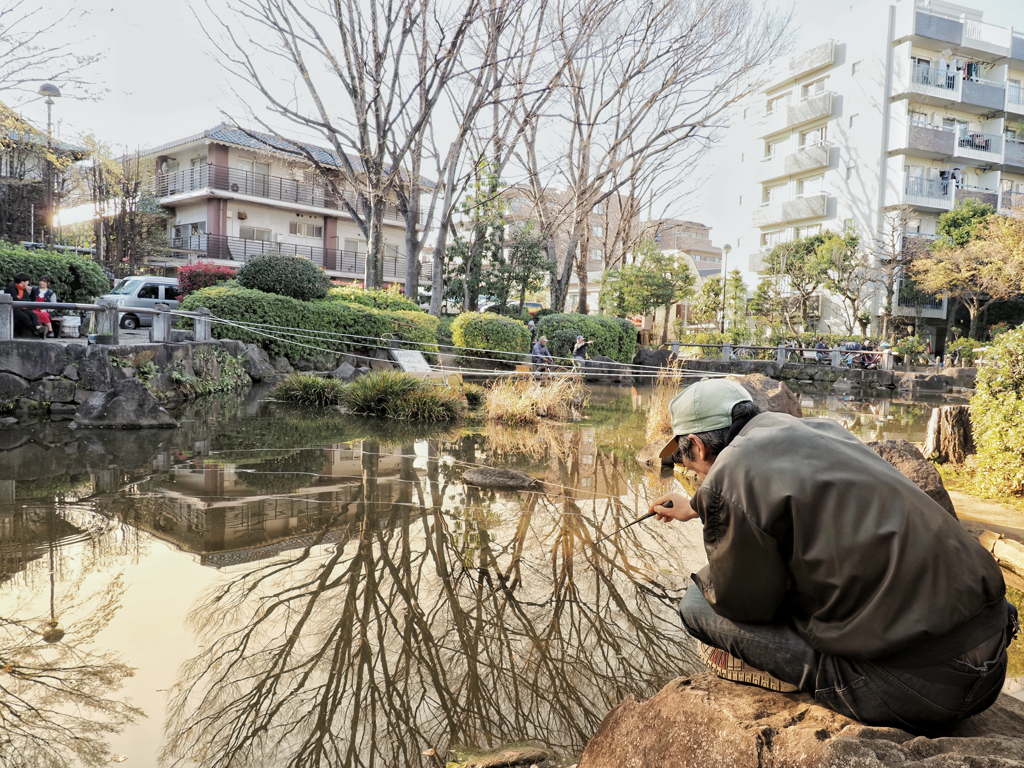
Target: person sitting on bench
pixel 24 319
pixel 540 356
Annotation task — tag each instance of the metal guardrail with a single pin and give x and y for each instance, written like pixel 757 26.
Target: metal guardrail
pixel 107 318
pixel 837 357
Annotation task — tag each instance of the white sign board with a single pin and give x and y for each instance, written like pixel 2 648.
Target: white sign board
pixel 410 360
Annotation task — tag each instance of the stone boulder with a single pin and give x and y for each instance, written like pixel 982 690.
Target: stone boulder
pixel 32 359
pixel 127 405
pixel 95 371
pixel 51 391
pixel 904 455
pixel 655 358
pixel 281 364
pixel 706 722
pixel 502 479
pixel 603 369
pixel 344 372
pixel 11 387
pixel 769 394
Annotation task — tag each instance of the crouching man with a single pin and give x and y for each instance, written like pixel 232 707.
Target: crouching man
pixel 829 571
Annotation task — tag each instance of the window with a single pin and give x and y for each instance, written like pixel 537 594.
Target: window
pixel 189 230
pixel 305 230
pixel 779 102
pixel 149 291
pixel 254 179
pixel 598 231
pixel 913 226
pixel 599 208
pixel 597 255
pixel 813 229
pixel 356 246
pixel 849 172
pixel 855 68
pixel 813 137
pixel 198 162
pixel 810 187
pixel 771 239
pixel 517 204
pixel 170 293
pixel 254 233
pixel 810 90
pixel 918 118
pixel 772 148
pixel 774 194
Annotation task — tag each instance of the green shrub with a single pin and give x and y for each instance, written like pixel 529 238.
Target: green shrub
pixel 997 416
pixel 76 279
pixel 613 337
pixel 400 396
pixel 307 389
pixel 911 346
pixel 314 319
pixel 475 395
pixel 291 276
pixel 965 347
pixel 473 331
pixel 545 312
pixel 390 299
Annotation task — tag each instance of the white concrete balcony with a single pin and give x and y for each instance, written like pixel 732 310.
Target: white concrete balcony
pixel 809 157
pixel 928 194
pixel 809 109
pixel 816 58
pixel 798 209
pixel 1013 155
pixel 987 38
pixel 976 145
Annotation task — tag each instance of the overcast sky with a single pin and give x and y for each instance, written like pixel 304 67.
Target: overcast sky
pixel 164 82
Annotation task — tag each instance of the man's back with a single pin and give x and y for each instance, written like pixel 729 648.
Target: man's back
pixel 803 518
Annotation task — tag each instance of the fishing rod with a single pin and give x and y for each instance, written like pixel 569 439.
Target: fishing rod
pixel 666 505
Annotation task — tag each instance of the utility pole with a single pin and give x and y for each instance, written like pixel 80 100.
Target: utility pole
pixel 49 90
pixel 725 275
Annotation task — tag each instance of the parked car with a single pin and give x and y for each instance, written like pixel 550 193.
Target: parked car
pixel 143 291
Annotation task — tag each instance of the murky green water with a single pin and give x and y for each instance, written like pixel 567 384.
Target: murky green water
pixel 267 586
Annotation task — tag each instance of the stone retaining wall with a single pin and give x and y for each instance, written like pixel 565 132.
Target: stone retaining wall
pixel 39 377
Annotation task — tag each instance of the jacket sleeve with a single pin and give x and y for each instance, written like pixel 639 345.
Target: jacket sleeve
pixel 745 579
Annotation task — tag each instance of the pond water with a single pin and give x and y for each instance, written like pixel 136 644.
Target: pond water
pixel 273 586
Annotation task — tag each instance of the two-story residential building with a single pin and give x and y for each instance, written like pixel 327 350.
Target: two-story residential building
pixel 235 193
pixel 914 102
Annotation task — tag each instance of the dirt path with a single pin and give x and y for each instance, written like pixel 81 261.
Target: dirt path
pixel 992 514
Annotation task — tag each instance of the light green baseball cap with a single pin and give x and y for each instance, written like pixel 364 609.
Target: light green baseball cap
pixel 702 407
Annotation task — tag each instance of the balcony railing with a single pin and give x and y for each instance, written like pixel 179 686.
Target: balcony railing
pixel 1014 94
pixel 279 188
pixel 943 78
pixel 978 145
pixel 1012 200
pixel 928 193
pixel 348 263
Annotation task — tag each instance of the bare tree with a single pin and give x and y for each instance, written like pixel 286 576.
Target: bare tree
pixel 351 75
pixel 892 255
pixel 652 82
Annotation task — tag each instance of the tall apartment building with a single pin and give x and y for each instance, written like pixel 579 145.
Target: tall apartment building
pixel 235 194
pixel 914 102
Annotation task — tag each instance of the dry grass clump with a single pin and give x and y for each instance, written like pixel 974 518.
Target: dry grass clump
pixel 520 400
pixel 513 439
pixel 666 386
pixel 307 389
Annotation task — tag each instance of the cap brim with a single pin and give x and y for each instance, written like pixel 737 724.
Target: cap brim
pixel 670 447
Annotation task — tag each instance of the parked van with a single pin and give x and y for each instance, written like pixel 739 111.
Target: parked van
pixel 143 291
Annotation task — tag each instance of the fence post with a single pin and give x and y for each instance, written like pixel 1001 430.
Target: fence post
pixel 107 321
pixel 162 323
pixel 780 354
pixel 727 352
pixel 837 358
pixel 675 347
pixel 887 360
pixel 6 317
pixel 202 332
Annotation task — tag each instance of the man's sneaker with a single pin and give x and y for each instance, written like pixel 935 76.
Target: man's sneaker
pixel 728 667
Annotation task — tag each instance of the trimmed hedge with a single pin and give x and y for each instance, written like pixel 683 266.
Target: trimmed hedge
pixel 76 279
pixel 389 300
pixel 291 276
pixel 613 337
pixel 314 318
pixel 997 416
pixel 477 333
pixel 195 277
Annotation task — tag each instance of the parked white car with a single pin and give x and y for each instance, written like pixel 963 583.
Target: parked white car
pixel 143 291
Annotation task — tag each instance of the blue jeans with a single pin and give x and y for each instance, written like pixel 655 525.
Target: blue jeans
pixel 918 700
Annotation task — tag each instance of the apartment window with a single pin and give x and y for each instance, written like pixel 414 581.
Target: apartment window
pixel 305 230
pixel 772 148
pixel 254 233
pixel 774 194
pixel 813 229
pixel 919 118
pixel 391 252
pixel 811 90
pixel 778 103
pixel 517 204
pixel 356 246
pixel 597 255
pixel 913 226
pixel 771 239
pixel 849 172
pixel 198 162
pixel 855 68
pixel 813 137
pixel 599 208
pixel 853 119
pixel 810 187
pixel 598 231
pixel 188 230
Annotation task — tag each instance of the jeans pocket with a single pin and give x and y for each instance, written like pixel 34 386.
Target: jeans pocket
pixel 857 700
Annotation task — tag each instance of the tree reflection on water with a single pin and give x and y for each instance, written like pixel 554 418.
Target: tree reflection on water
pixel 447 616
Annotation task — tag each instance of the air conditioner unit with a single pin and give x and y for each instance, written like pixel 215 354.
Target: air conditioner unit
pixel 243 215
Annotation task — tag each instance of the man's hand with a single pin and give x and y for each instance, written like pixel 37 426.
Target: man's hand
pixel 672 506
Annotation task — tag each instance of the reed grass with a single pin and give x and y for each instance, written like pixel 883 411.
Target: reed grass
pixel 667 385
pixel 307 389
pixel 521 400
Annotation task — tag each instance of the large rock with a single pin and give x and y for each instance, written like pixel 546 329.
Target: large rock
pixel 51 391
pixel 769 394
pixel 705 722
pixel 506 479
pixel 95 371
pixel 655 358
pixel 256 363
pixel 11 387
pixel 127 405
pixel 344 372
pixel 605 370
pixel 907 459
pixel 32 359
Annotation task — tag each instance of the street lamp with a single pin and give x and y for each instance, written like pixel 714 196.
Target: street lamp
pixel 50 91
pixel 726 249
